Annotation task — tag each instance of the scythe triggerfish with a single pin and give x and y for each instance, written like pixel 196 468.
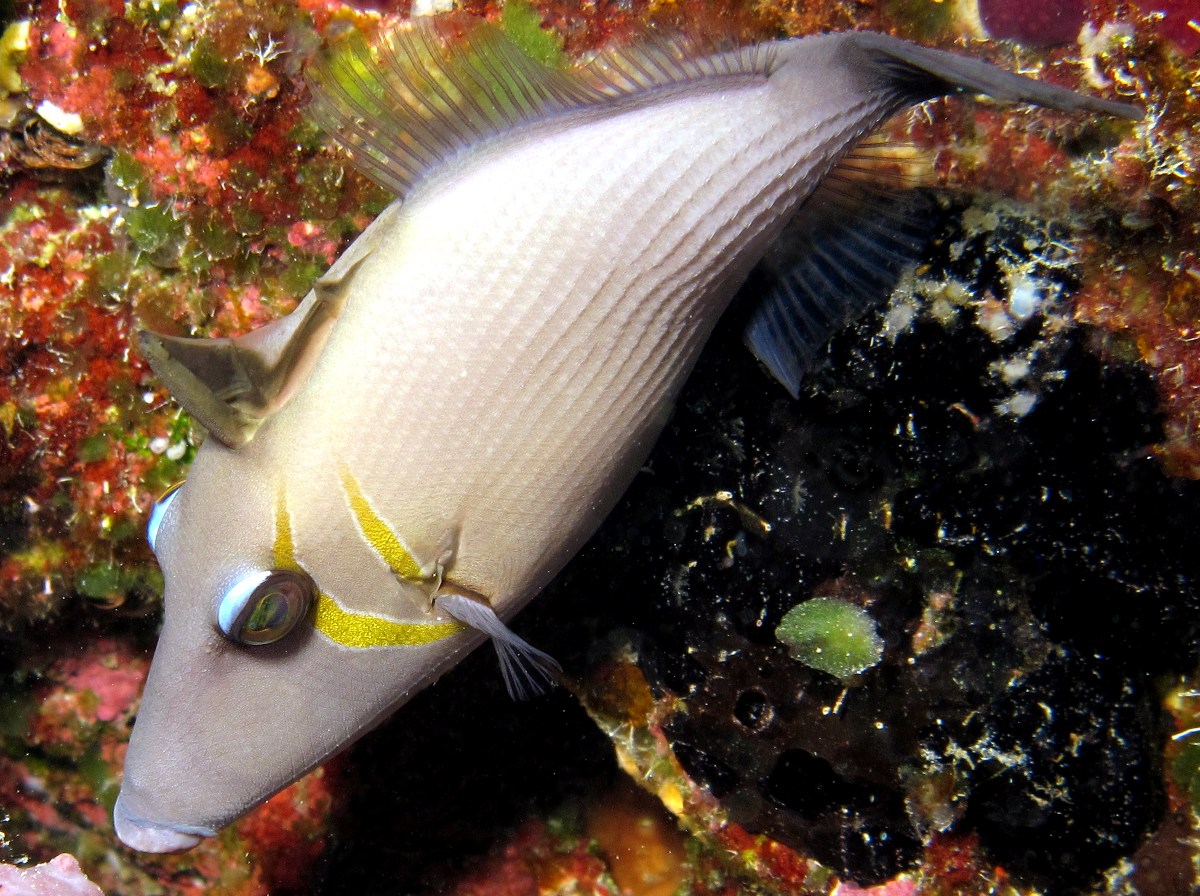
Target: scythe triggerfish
pixel 403 462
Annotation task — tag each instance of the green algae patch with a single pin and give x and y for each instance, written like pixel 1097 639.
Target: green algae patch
pixel 152 228
pixel 109 583
pixel 100 580
pixel 208 65
pixel 94 448
pixel 927 20
pixel 127 176
pixel 523 24
pixel 99 774
pixel 17 707
pixel 831 635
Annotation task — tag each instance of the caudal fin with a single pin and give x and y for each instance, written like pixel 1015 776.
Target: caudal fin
pixel 848 245
pixel 923 73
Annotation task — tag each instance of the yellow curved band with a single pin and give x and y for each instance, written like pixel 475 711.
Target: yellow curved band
pixel 378 534
pixel 363 631
pixel 345 627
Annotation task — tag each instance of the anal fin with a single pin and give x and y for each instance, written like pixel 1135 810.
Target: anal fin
pixel 842 253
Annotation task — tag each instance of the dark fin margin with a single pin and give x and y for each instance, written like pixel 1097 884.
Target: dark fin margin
pixel 922 73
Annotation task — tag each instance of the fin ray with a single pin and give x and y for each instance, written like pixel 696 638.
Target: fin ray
pixel 525 669
pixel 844 251
pixel 427 90
pixel 921 73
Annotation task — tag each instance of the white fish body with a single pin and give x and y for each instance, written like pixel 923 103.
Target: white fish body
pixel 527 375
pixel 498 354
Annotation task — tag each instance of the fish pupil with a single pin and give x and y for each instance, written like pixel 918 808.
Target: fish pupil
pixel 270 613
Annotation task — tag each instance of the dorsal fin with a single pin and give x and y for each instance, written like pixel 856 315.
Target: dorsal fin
pixel 656 61
pixel 429 89
pixel 232 385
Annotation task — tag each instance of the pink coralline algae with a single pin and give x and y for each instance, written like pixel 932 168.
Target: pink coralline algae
pixel 1036 23
pixel 61 754
pixel 61 876
pixel 1180 22
pixel 113 680
pixel 535 862
pixel 1041 24
pixel 901 887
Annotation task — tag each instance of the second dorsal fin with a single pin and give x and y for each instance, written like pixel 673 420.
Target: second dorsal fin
pixel 842 253
pixel 431 88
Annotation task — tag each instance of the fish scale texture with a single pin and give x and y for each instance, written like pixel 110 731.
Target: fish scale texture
pixel 538 376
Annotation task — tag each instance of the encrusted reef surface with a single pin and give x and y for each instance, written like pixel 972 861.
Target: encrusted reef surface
pixel 985 498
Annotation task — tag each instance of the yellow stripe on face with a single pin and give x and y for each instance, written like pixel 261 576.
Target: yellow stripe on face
pixel 345 627
pixel 378 534
pixel 284 549
pixel 360 630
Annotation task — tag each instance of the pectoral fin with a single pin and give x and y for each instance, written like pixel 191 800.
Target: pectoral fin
pixel 526 669
pixel 231 385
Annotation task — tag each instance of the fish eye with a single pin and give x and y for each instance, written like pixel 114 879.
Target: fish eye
pixel 157 511
pixel 265 605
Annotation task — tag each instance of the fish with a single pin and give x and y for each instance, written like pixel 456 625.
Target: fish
pixel 398 466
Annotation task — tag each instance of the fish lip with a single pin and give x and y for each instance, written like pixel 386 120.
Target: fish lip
pixel 149 836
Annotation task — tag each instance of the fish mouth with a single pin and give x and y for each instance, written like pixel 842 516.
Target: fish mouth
pixel 147 836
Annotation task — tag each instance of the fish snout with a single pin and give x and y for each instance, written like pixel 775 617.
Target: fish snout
pixel 146 836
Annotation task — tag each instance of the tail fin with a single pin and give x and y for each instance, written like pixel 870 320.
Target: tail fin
pixel 847 247
pixel 923 73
